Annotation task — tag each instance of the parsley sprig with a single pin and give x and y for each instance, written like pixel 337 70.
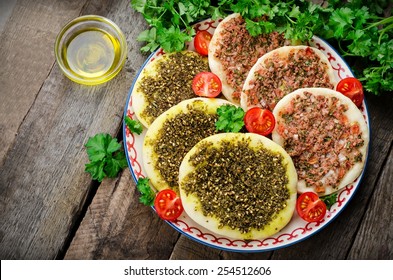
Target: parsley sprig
pixel 147 194
pixel 329 200
pixel 230 118
pixel 133 125
pixel 106 157
pixel 356 28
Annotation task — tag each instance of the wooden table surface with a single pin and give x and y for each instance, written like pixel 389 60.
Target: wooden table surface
pixel 51 209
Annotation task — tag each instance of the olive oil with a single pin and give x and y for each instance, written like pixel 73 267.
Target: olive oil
pixel 91 53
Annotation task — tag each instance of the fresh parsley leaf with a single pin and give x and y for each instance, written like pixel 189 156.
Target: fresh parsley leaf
pixel 260 27
pixel 114 165
pixel 230 118
pixel 329 200
pixel 96 170
pixel 361 44
pixel 105 155
pixel 217 13
pixel 150 37
pixel 133 125
pixel 172 39
pixel 138 5
pixel 341 21
pixel 147 194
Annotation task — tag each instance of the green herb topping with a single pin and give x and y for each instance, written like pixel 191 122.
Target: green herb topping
pixel 172 83
pixel 243 187
pixel 177 136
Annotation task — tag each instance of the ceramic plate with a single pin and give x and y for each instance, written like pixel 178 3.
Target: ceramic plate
pixel 297 229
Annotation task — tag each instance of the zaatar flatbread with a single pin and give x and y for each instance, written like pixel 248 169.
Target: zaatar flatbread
pixel 233 51
pixel 238 185
pixel 165 82
pixel 282 71
pixel 326 136
pixel 173 134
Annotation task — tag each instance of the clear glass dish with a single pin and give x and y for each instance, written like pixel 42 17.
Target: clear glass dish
pixel 90 50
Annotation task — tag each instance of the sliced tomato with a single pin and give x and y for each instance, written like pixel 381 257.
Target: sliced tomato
pixel 260 121
pixel 168 205
pixel 310 207
pixel 352 88
pixel 201 42
pixel 206 84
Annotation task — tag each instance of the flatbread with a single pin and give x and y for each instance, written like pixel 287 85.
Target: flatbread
pixel 282 71
pixel 233 51
pixel 240 185
pixel 326 136
pixel 173 134
pixel 165 82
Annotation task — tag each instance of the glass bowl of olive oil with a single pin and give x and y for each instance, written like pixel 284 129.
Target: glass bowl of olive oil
pixel 91 50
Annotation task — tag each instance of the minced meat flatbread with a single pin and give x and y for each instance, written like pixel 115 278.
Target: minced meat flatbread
pixel 173 134
pixel 233 51
pixel 240 185
pixel 326 136
pixel 282 71
pixel 165 82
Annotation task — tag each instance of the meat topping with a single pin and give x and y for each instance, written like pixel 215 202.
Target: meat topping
pixel 303 68
pixel 238 51
pixel 318 136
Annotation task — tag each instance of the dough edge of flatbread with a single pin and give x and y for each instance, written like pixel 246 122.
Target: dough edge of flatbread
pixel 215 65
pixel 192 205
pixel 139 101
pixel 149 158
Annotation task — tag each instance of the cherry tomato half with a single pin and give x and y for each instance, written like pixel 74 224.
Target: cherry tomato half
pixel 201 42
pixel 260 121
pixel 352 88
pixel 206 84
pixel 310 207
pixel 168 205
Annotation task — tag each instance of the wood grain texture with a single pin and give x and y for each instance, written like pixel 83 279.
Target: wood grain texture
pixel 43 185
pixel 117 226
pixel 26 58
pixel 375 237
pixel 187 249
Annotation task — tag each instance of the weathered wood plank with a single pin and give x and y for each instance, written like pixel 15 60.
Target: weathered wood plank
pixel 42 183
pixel 375 237
pixel 26 57
pixel 187 249
pixel 6 8
pixel 117 226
